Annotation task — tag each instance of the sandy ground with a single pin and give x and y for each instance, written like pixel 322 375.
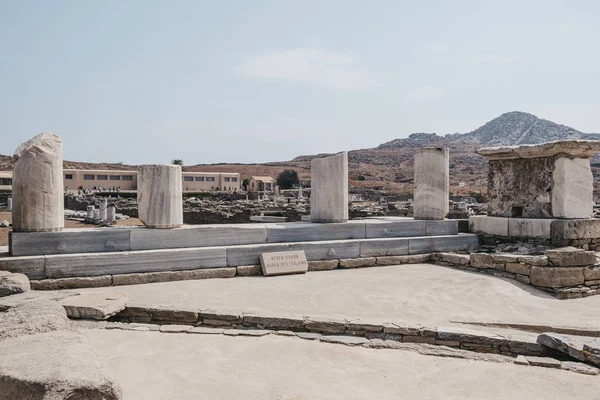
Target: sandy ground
pixel 5 215
pixel 151 365
pixel 418 293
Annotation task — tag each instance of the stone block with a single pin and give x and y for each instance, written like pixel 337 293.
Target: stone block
pixel 384 247
pixel 93 264
pixel 556 277
pixel 529 227
pixel 435 244
pixel 572 189
pixel 249 270
pixel 175 328
pixel 540 261
pixel 329 188
pixel 402 227
pixel 31 266
pixel 345 340
pixel 357 262
pixel 571 257
pixel 439 228
pixel 575 229
pixel 592 273
pixel 484 224
pixel 174 316
pixel 398 260
pixel 518 268
pixel 431 194
pixel 250 254
pixel 72 283
pixel 159 196
pixel 94 306
pixel 323 265
pixel 331 250
pixel 69 241
pixel 170 276
pixel 543 362
pixel 473 336
pixel 274 322
pixel 306 231
pixel 586 349
pixel 324 325
pixel 282 263
pixel 197 236
pixel 37 189
pixel 482 260
pixel 458 259
pixel 13 283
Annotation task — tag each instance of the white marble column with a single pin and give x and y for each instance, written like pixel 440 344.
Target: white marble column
pixel 432 183
pixel 159 196
pixel 111 213
pixel 102 207
pixel 38 200
pixel 329 188
pixel 90 212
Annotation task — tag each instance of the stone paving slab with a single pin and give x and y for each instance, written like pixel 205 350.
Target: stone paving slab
pixel 413 293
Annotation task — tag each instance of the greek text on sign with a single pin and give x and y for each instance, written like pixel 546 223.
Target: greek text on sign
pixel 284 262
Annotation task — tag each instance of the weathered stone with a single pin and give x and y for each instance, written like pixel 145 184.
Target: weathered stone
pixel 401 329
pixel 32 317
pixel 556 277
pixel 465 335
pixel 579 368
pixel 571 257
pixel 206 331
pixel 159 196
pixel 175 328
pixel 37 188
pixel 169 276
pixel 431 166
pixel 458 259
pixel 174 316
pixel 396 260
pixel 53 366
pixel 13 283
pixel 482 260
pixel 283 262
pixel 308 335
pixel 345 340
pixel 329 188
pixel 523 279
pixel 530 228
pixel 357 262
pixel 254 332
pixel 231 332
pixel 518 268
pixel 284 333
pixel 418 339
pixel 543 362
pixel 497 226
pixel 571 148
pixel 572 189
pixel 592 273
pixel 534 260
pixel 521 360
pixel 231 316
pixel 71 283
pixel 324 265
pixel 94 306
pixel 581 348
pixel 575 229
pixel 324 325
pixel 248 270
pixel 274 322
pixel 361 325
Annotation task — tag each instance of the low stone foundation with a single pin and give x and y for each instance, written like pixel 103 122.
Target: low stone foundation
pixel 565 273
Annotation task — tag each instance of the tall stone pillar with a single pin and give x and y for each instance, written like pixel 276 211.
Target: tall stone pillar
pixel 329 188
pixel 159 196
pixel 103 206
pixel 90 212
pixel 111 213
pixel 9 204
pixel 38 201
pixel 432 183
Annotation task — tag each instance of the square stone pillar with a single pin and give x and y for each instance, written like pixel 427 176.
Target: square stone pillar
pixel 573 188
pixel 432 183
pixel 329 188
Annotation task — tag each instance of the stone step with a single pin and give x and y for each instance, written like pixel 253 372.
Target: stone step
pixel 112 263
pixel 100 240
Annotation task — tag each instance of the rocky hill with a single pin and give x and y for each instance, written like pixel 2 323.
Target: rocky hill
pixel 389 166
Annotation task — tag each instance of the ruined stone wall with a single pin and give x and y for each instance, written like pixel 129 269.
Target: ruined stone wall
pixel 521 188
pixel 197 217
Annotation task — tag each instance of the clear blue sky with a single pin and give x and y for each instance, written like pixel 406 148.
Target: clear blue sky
pixel 253 81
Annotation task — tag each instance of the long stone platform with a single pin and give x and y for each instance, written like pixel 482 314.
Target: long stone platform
pixel 97 240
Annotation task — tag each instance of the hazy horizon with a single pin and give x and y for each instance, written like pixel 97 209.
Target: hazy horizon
pixel 246 82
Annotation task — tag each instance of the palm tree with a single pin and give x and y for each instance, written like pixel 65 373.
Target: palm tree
pixel 177 161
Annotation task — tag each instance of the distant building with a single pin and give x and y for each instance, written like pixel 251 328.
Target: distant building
pixel 261 184
pixel 76 179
